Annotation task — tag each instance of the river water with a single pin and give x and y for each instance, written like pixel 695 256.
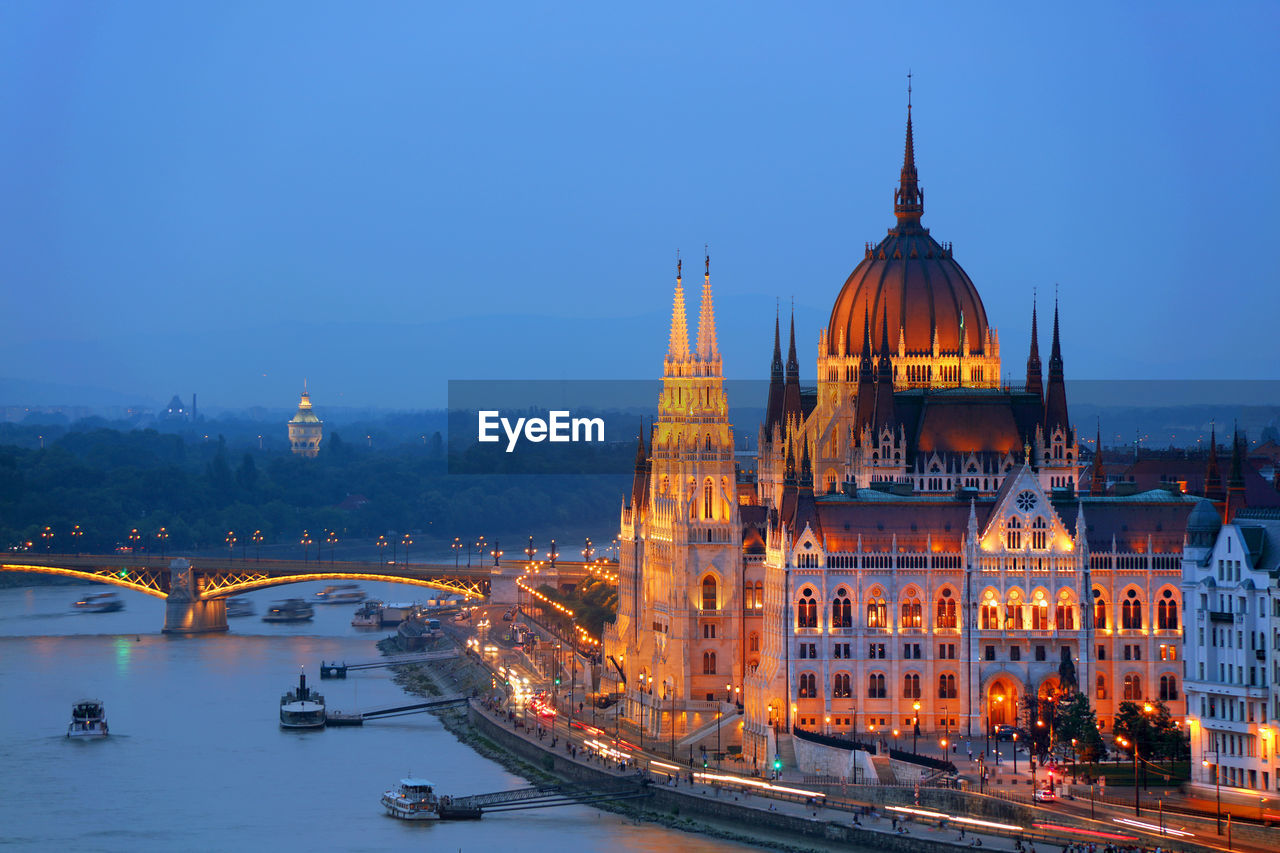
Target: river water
pixel 196 759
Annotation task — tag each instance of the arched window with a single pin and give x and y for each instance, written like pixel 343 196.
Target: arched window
pixel 807 610
pixel 808 685
pixel 1168 687
pixel 1013 612
pixel 877 613
pixel 1167 612
pixel 840 686
pixel 946 610
pixel 841 610
pixel 1099 610
pixel 1013 534
pixel 709 593
pixel 759 595
pixel 1064 616
pixel 875 686
pixel 707 445
pixel 1102 687
pixel 708 663
pixel 911 686
pixel 911 615
pixel 1040 612
pixel 1039 534
pixel 946 686
pixel 1133 687
pixel 706 499
pixel 748 596
pixel 990 614
pixel 753 642
pixel 1131 611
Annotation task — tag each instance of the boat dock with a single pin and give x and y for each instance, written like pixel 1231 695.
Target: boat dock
pixel 357 718
pixel 540 797
pixel 340 670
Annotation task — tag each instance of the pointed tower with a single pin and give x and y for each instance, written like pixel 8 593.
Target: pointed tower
pixel 1035 383
pixel 678 347
pixel 1213 489
pixel 884 416
pixel 792 411
pixel 1235 485
pixel 908 198
pixel 773 411
pixel 640 479
pixel 1098 479
pixel 1055 404
pixel 708 351
pixel 866 406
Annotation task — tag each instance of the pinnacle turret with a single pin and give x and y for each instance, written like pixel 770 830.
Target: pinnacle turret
pixel 678 348
pixel 708 350
pixel 1035 376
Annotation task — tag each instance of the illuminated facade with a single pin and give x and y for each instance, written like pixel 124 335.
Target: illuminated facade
pixel 915 545
pixel 305 429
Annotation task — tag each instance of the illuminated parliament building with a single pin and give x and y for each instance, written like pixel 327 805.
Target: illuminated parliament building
pixel 916 535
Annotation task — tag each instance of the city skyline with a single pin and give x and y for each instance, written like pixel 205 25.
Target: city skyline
pixel 229 201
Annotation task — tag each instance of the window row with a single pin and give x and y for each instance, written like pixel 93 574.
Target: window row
pixel 877 686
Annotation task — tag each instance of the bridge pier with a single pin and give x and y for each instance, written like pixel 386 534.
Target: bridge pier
pixel 184 611
pixel 502 585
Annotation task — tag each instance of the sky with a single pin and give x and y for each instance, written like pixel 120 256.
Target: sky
pixel 227 198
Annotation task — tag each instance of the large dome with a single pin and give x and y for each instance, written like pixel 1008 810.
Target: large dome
pixel 912 280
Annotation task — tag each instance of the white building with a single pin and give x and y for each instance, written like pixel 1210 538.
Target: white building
pixel 1232 653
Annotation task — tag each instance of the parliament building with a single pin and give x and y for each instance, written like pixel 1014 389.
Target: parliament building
pixel 916 544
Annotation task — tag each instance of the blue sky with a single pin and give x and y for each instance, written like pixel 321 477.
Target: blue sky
pixel 226 197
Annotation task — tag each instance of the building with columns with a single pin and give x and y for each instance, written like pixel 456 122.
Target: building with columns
pixel 305 428
pixel 915 531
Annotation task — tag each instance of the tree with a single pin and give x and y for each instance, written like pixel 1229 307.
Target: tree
pixel 1149 727
pixel 247 473
pixel 1078 726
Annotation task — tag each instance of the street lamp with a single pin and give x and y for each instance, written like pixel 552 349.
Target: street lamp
pixel 553 554
pixel 305 542
pixel 480 546
pixel 162 534
pixel 1137 789
pixel 728 692
pixel 1217 783
pixel 406 541
pixel 258 539
pixel 135 537
pixel 47 536
pixel 331 539
pixel 530 550
pixel 915 723
pixel 457 552
pixel 497 553
pixel 231 544
pixel 381 545
pixel 588 550
pixel 1015 753
pixel 76 533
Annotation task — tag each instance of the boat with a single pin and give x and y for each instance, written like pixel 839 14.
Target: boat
pixel 369 615
pixel 88 719
pixel 239 607
pixel 394 614
pixel 302 708
pixel 346 593
pixel 99 602
pixel 289 610
pixel 413 799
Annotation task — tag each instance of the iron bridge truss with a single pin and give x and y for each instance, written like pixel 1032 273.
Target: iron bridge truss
pixel 220 584
pixel 154 582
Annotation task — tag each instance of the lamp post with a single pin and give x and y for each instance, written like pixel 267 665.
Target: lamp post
pixel 641 698
pixel 231 544
pixel 553 554
pixel 496 553
pixel 1137 789
pixel 76 533
pixel 406 541
pixel 47 536
pixel 915 725
pixel 381 544
pixel 135 537
pixel 728 693
pixel 480 545
pixel 1015 754
pixel 530 551
pixel 457 552
pixel 162 535
pixel 673 720
pixel 305 542
pixel 1217 783
pixel 257 543
pixel 331 539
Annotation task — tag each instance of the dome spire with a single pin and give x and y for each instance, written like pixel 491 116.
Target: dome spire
pixel 908 200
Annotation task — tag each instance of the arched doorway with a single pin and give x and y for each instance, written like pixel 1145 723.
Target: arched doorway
pixel 1049 689
pixel 1002 703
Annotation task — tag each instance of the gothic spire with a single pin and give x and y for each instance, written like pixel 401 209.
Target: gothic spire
pixel 775 368
pixel 678 349
pixel 908 199
pixel 707 349
pixel 1212 475
pixel 866 379
pixel 1035 382
pixel 774 408
pixel 792 407
pixel 884 416
pixel 1098 478
pixel 1235 485
pixel 1055 404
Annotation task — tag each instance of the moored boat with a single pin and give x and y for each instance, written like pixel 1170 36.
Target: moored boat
pixel 412 799
pixel 289 610
pixel 302 708
pixel 88 719
pixel 369 615
pixel 239 607
pixel 99 602
pixel 394 614
pixel 346 593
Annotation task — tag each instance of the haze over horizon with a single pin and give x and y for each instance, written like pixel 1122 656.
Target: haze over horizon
pixel 227 199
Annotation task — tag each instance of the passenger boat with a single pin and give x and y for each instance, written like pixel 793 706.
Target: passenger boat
pixel 346 593
pixel 414 799
pixel 99 602
pixel 394 614
pixel 302 708
pixel 88 719
pixel 369 615
pixel 289 610
pixel 239 607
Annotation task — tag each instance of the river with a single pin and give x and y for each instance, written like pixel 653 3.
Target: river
pixel 196 759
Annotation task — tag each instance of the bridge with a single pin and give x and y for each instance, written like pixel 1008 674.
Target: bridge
pixel 195 591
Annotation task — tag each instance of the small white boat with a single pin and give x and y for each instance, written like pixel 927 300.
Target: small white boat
pixel 346 593
pixel 302 708
pixel 369 615
pixel 290 610
pixel 99 602
pixel 239 607
pixel 413 799
pixel 88 719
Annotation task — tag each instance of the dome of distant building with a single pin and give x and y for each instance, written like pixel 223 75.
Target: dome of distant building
pixel 910 284
pixel 305 428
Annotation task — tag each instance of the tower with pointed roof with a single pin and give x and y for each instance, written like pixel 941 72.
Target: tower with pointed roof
pixel 305 428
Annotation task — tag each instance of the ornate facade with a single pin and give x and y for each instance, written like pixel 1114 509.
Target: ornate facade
pixel 915 545
pixel 305 429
